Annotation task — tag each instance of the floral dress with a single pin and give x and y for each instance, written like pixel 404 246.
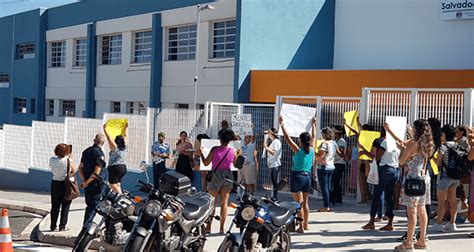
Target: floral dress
pixel 415 169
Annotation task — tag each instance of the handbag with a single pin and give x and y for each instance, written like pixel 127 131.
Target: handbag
pixel 211 173
pixel 414 187
pixel 373 177
pixel 72 189
pixel 239 163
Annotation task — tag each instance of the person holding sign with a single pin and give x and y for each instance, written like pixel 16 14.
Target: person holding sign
pixel 340 163
pixel 117 155
pixel 222 158
pixel 303 159
pixel 185 153
pixel 273 153
pixel 325 158
pixel 249 172
pixel 160 151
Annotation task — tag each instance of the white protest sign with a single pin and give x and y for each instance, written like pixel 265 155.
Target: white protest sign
pixel 242 124
pixel 297 119
pixel 398 126
pixel 207 145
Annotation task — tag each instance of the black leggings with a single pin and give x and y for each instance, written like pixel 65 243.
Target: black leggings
pixel 58 190
pixel 116 173
pixel 275 175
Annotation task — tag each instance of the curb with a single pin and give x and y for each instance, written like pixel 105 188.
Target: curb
pixel 27 209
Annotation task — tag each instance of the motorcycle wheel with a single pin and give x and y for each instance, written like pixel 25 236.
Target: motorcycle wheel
pixel 84 243
pixel 226 246
pixel 285 241
pixel 199 245
pixel 137 243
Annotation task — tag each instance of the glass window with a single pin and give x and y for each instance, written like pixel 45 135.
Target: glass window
pixel 68 108
pixel 25 51
pixel 80 52
pixel 115 107
pixel 20 105
pixel 111 50
pixel 142 47
pixel 224 39
pixel 49 107
pixel 138 108
pixel 57 54
pixel 182 43
pixel 181 106
pixel 4 80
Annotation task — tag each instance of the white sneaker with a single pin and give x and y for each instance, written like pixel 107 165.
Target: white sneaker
pixel 437 227
pixel 450 227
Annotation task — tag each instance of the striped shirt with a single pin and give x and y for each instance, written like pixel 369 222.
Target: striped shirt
pixel 58 167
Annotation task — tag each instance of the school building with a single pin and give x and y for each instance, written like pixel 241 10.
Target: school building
pixel 95 56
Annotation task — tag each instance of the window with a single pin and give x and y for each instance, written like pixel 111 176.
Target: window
pixel 111 52
pixel 182 43
pixel 115 107
pixel 181 106
pixel 58 54
pixel 138 108
pixel 49 107
pixel 25 51
pixel 142 53
pixel 20 105
pixel 33 106
pixel 80 52
pixel 4 80
pixel 224 39
pixel 68 108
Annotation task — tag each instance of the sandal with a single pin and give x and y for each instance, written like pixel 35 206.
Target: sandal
pixel 404 246
pixel 387 228
pixel 418 246
pixel 369 226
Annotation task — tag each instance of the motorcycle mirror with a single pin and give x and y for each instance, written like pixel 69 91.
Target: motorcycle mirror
pixel 143 166
pixel 192 190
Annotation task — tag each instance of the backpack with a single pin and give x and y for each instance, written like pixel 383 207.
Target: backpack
pixel 458 165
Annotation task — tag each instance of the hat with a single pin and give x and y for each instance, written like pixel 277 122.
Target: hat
pixel 273 131
pixel 162 134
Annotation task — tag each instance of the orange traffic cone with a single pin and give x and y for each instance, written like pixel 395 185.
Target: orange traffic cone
pixel 6 244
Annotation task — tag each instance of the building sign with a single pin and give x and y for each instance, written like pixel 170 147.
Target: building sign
pixel 456 9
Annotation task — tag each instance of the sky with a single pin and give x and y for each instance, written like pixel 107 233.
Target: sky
pixel 9 7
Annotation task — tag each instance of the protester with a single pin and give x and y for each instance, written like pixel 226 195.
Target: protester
pixel 303 159
pixel 185 153
pixel 117 155
pixel 414 157
pixel 387 162
pixel 273 154
pixel 340 164
pixel 91 166
pixel 59 166
pixel 222 158
pixel 160 152
pixel 197 159
pixel 325 160
pixel 461 137
pixel 248 175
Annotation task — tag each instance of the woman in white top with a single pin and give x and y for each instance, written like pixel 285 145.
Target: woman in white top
pixel 58 165
pixel 325 158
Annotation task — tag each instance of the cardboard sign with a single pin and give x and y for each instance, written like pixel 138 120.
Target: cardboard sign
pixel 366 138
pixel 207 145
pixel 351 119
pixel 298 119
pixel 242 124
pixel 398 126
pixel 116 127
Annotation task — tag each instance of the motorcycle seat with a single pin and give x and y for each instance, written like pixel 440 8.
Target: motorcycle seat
pixel 194 207
pixel 281 214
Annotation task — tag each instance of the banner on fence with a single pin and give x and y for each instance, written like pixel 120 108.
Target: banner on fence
pixel 116 127
pixel 398 127
pixel 351 119
pixel 366 138
pixel 206 146
pixel 242 124
pixel 298 119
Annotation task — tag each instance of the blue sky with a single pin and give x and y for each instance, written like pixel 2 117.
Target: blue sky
pixel 8 7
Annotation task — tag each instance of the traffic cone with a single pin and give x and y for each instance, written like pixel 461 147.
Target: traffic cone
pixel 6 244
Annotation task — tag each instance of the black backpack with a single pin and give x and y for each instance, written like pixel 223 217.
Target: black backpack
pixel 458 165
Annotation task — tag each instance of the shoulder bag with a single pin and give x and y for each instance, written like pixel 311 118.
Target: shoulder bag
pixel 415 186
pixel 211 172
pixel 72 190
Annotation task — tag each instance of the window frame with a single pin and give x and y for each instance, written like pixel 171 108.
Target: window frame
pixel 182 106
pixel 109 58
pixel 61 108
pixel 191 55
pixel 212 50
pixel 134 50
pixel 22 56
pixel 85 49
pixel 17 107
pixel 113 107
pixel 48 108
pixel 60 54
pixel 4 80
pixel 140 106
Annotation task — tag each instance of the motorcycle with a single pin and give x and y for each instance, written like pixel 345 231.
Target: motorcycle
pixel 171 220
pixel 264 224
pixel 116 222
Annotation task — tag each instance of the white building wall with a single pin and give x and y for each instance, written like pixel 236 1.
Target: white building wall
pixel 69 82
pixel 400 34
pixel 216 76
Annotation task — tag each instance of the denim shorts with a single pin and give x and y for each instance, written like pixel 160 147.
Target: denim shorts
pixel 300 182
pixel 443 184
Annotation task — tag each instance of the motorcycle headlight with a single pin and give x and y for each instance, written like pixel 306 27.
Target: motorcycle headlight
pixel 153 208
pixel 105 206
pixel 248 213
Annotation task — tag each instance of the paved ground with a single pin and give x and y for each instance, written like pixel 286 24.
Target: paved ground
pixel 336 231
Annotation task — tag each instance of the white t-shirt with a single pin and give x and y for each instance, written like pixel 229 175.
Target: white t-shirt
pixel 389 158
pixel 58 167
pixel 274 160
pixel 341 143
pixel 330 148
pixel 247 152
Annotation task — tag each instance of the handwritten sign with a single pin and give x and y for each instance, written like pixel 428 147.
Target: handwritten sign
pixel 242 124
pixel 207 145
pixel 298 119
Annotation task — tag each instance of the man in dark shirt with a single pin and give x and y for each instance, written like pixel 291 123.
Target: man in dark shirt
pixel 89 167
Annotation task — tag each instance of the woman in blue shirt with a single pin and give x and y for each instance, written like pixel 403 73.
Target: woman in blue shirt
pixel 300 179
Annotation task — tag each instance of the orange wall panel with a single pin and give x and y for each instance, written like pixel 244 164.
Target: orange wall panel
pixel 266 85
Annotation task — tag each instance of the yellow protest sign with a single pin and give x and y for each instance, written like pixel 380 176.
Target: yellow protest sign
pixel 366 138
pixel 318 144
pixel 116 127
pixel 433 164
pixel 350 118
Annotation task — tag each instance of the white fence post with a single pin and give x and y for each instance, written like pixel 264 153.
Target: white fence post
pixel 206 116
pixel 364 107
pixel 413 106
pixel 469 107
pixel 319 105
pixel 277 111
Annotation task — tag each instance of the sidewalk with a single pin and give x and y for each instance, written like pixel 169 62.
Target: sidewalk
pixel 335 231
